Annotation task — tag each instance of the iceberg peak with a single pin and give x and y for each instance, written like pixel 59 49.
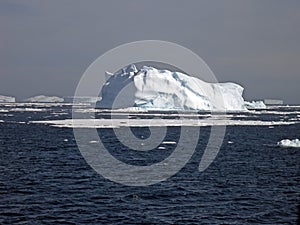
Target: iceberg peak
pixel 130 70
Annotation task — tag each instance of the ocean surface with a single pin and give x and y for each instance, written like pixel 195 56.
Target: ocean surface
pixel 44 179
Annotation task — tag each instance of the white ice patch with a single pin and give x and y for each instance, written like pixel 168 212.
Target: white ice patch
pixel 286 143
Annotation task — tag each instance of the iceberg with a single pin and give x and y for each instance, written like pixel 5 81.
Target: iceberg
pixel 255 105
pixel 43 98
pixel 7 99
pixel 286 143
pixel 154 89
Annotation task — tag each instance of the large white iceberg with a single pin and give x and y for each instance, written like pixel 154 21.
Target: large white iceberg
pixel 7 99
pixel 150 88
pixel 45 99
pixel 286 143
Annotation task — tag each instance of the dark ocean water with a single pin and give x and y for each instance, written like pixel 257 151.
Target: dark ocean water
pixel 45 180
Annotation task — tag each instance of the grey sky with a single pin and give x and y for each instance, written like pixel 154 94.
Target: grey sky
pixel 45 46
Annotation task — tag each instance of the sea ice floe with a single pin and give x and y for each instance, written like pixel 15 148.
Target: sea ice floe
pixel 275 112
pixel 115 123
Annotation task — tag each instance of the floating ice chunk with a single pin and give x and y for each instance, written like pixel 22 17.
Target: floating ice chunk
pixel 286 143
pixel 169 142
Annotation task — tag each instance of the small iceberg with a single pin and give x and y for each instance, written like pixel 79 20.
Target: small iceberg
pixel 255 105
pixel 44 99
pixel 286 143
pixel 7 99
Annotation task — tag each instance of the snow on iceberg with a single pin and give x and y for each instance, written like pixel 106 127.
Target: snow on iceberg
pixel 150 88
pixel 286 143
pixel 7 99
pixel 255 105
pixel 43 98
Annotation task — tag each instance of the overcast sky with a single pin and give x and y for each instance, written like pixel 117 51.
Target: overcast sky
pixel 45 46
